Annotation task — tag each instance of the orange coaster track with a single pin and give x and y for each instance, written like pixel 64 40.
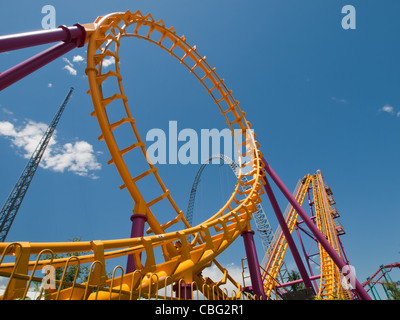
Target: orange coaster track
pixel 184 253
pixel 330 284
pixel 182 261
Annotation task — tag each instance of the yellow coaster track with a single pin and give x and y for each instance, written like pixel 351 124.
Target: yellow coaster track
pixel 182 260
pixel 278 246
pixel 330 286
pixel 330 282
pixel 184 253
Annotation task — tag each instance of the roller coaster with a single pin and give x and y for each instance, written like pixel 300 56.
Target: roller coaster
pixel 263 227
pixel 176 273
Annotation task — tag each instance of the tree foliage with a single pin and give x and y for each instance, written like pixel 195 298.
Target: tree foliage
pixel 295 275
pixel 74 273
pixel 393 289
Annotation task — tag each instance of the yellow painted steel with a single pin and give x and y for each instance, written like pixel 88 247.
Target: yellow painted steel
pixel 182 260
pixel 277 249
pixel 330 286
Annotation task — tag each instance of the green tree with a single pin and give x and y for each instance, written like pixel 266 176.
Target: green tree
pixel 293 276
pixel 393 289
pixel 72 270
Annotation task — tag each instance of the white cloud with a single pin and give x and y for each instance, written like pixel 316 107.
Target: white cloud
pixel 70 67
pixel 7 129
pixel 388 109
pixel 340 101
pixel 77 58
pixel 78 157
pixel 49 85
pixel 71 70
pixel 216 275
pixel 108 62
pixel 68 62
pixel 6 111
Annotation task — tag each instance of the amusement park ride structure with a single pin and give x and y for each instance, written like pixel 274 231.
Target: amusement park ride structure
pixel 263 226
pixel 14 201
pixel 382 277
pixel 187 252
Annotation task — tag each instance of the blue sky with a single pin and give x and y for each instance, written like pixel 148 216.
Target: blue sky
pixel 318 96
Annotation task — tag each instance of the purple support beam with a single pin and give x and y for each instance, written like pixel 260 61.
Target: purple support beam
pixel 306 256
pixel 312 217
pixel 138 221
pixel 184 292
pixel 17 41
pixel 254 266
pixel 343 251
pixel 314 229
pixel 288 236
pixel 25 68
pixel 286 284
pixel 72 37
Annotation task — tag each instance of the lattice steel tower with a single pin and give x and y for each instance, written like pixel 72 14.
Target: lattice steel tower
pixel 11 206
pixel 263 226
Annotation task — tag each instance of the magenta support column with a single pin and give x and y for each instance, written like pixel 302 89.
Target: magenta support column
pixel 183 291
pixel 27 67
pixel 314 229
pixel 17 41
pixel 306 256
pixel 288 236
pixel 254 266
pixel 71 38
pixel 283 285
pixel 343 251
pixel 138 221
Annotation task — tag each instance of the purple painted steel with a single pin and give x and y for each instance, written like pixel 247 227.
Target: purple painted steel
pixel 138 221
pixel 306 255
pixel 297 227
pixel 36 38
pixel 382 267
pixel 313 278
pixel 185 290
pixel 73 37
pixel 343 251
pixel 25 68
pixel 252 260
pixel 314 229
pixel 288 236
